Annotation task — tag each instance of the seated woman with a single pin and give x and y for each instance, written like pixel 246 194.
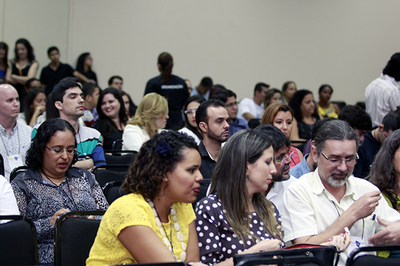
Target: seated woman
pixel 112 116
pixel 150 117
pixel 280 115
pixel 154 222
pixel 305 115
pixel 189 109
pixel 272 96
pixel 35 103
pixel 50 186
pixel 325 108
pixel 289 88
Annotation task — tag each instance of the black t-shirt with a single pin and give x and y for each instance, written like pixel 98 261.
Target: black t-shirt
pixel 50 78
pixel 176 92
pixel 108 139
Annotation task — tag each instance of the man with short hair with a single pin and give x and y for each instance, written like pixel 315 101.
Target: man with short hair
pixel 383 94
pixel 282 178
pixel 213 121
pixel 373 141
pixel 321 204
pixel 15 136
pixel 229 98
pixel 117 83
pixel 357 118
pixel 253 108
pixel 56 71
pixel 91 93
pixel 204 88
pixel 67 99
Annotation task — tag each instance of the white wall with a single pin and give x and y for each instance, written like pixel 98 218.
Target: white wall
pixel 238 43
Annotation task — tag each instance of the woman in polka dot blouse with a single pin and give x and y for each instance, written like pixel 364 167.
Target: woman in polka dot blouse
pixel 236 218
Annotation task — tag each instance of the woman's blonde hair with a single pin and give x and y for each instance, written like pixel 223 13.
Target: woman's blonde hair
pixel 152 106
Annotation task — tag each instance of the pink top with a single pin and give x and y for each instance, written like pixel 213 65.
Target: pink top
pixel 295 156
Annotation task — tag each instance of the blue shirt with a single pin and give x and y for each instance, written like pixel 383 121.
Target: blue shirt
pixel 300 169
pixel 236 125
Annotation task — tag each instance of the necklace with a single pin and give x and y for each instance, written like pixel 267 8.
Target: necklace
pixel 177 228
pixel 51 181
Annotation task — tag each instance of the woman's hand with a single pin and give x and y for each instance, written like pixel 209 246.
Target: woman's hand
pixel 341 241
pixel 39 110
pixel 53 219
pixel 265 245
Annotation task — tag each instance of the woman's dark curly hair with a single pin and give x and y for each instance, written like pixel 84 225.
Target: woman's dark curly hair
pixel 156 157
pixel 34 155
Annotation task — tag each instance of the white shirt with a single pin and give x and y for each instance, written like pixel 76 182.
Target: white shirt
pixel 8 204
pixel 275 195
pixel 133 137
pixel 309 209
pixel 190 134
pixel 381 97
pixel 247 105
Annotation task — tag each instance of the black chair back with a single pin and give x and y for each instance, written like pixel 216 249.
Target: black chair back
pixel 75 235
pixel 16 171
pixel 120 157
pixel 117 145
pixel 357 259
pixel 253 123
pixel 1 165
pixel 108 173
pixel 112 190
pixel 18 241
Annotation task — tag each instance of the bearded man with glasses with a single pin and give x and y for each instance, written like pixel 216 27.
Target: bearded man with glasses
pixel 323 203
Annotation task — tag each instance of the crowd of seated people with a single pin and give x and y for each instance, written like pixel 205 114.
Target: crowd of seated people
pixel 62 134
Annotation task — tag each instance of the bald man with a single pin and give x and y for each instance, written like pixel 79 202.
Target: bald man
pixel 15 136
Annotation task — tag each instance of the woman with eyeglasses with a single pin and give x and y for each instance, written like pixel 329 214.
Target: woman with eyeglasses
pixel 189 110
pixel 280 115
pixel 51 187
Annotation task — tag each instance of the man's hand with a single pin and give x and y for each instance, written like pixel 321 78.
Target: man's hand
pixel 388 236
pixel 365 205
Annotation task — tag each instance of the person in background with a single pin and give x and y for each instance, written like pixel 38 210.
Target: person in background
pixel 358 119
pixel 8 204
pixel 33 83
pixel 56 71
pixel 373 141
pixel 51 186
pixel 4 63
pixel 229 98
pixel 151 116
pixel 15 136
pixel 253 108
pixel 91 93
pixel 35 103
pixel 190 108
pixel 172 87
pixel 127 100
pixel 281 116
pixel 117 83
pixel 84 66
pixel 305 115
pixel 189 85
pixel 289 88
pixel 272 96
pixel 23 67
pixel 205 88
pixel 157 212
pixel 112 117
pixel 325 108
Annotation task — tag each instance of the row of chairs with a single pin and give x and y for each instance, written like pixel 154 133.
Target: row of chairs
pixel 75 235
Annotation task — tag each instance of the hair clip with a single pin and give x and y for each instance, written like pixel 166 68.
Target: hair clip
pixel 163 148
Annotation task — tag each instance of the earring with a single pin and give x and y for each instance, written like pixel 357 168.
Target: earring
pixel 247 177
pixel 165 179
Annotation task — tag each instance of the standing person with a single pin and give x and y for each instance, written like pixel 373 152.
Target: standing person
pixel 326 108
pixel 4 64
pixel 190 108
pixel 51 186
pixel 112 117
pixel 154 222
pixel 23 67
pixel 15 136
pixel 289 88
pixel 151 116
pixel 56 71
pixel 383 94
pixel 172 87
pixel 84 66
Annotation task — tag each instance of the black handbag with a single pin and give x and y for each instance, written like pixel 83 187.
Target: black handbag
pixel 300 254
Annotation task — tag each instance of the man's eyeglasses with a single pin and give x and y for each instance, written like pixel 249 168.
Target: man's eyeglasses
pixel 190 112
pixel 58 150
pixel 285 159
pixel 231 104
pixel 337 160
